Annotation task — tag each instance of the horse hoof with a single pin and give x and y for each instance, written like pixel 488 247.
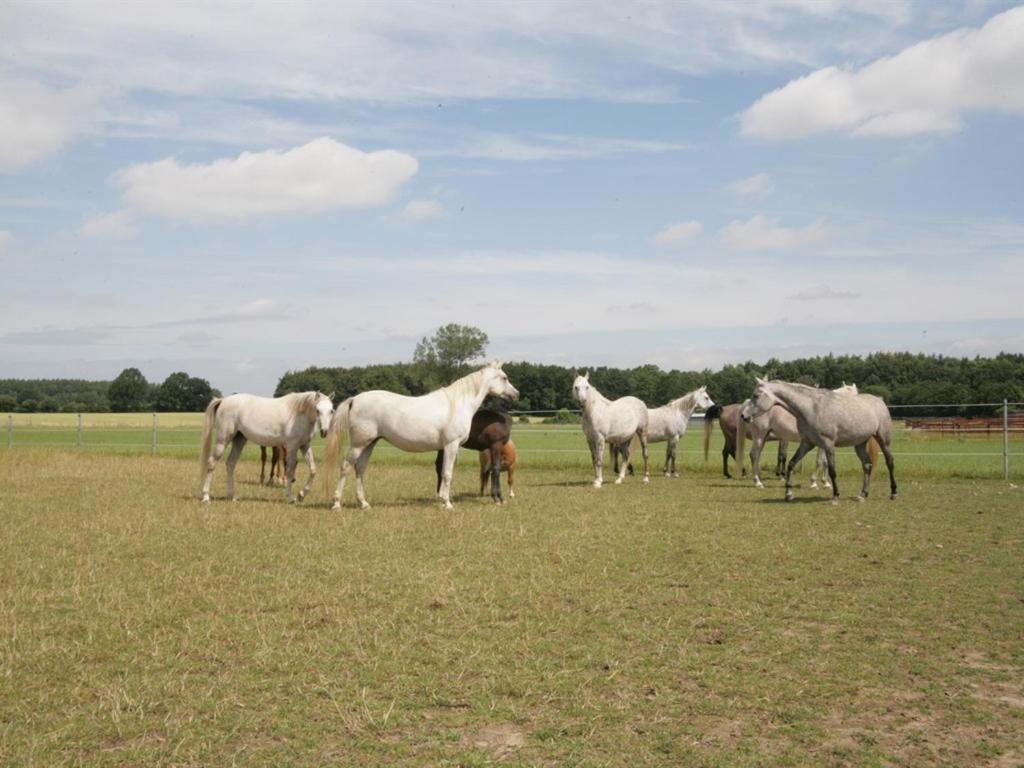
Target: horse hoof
pixel 511 495
pixel 814 486
pixel 364 505
pixel 618 481
pixel 761 485
pixel 597 484
pixel 336 507
pixel 205 499
pixel 646 479
pixel 301 496
pixel 675 474
pixel 835 501
pixel 789 497
pixel 893 497
pixel 862 499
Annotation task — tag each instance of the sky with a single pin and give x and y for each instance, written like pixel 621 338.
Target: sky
pixel 240 189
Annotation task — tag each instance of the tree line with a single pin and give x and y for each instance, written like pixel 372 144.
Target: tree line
pixel 129 392
pixel 900 378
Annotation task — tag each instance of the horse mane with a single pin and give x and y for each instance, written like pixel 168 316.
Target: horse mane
pixel 302 402
pixel 462 388
pixel 685 400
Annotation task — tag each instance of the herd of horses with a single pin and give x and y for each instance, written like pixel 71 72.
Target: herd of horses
pixel 451 417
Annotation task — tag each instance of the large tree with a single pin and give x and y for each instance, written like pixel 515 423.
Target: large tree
pixel 181 393
pixel 452 347
pixel 129 391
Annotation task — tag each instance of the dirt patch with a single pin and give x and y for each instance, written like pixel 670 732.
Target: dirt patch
pixel 500 739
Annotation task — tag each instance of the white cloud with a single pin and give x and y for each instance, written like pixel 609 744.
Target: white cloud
pixel 117 224
pixel 5 238
pixel 321 175
pixel 762 233
pixel 416 210
pixel 36 121
pixel 678 233
pixel 923 89
pixel 820 292
pixel 323 50
pixel 759 185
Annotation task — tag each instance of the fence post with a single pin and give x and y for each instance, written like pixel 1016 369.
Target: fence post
pixel 78 435
pixel 152 451
pixel 1006 440
pixel 10 430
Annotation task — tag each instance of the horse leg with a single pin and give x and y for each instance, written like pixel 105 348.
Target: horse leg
pixel 624 451
pixel 263 465
pixel 511 472
pixel 308 453
pixel 361 462
pixel 597 457
pixel 646 454
pixel 354 452
pixel 496 473
pixel 668 459
pixel 780 462
pixel 237 444
pixel 218 451
pixel 451 451
pixel 800 452
pixel 614 451
pixel 278 458
pixel 437 468
pixel 830 455
pixel 485 469
pixel 865 462
pixel 890 464
pixel 289 474
pixel 726 453
pixel 756 446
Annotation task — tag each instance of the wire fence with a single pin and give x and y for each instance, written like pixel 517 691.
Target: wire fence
pixel 985 438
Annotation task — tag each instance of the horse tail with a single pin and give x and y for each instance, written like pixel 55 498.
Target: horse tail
pixel 710 415
pixel 335 441
pixel 204 445
pixel 873 453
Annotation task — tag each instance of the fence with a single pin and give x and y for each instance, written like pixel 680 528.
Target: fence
pixel 178 433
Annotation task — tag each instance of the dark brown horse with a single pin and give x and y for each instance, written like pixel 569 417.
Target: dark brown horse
pixel 489 431
pixel 278 457
pixel 728 419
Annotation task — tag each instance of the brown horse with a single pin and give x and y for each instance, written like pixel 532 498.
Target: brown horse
pixel 489 431
pixel 508 465
pixel 728 419
pixel 278 457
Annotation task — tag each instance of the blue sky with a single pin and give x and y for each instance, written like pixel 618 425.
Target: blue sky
pixel 236 190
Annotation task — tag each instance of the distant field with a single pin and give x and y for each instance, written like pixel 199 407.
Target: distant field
pixel 973 456
pixel 693 621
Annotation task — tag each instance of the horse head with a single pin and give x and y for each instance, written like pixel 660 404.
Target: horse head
pixel 581 387
pixel 703 399
pixel 324 412
pixel 760 402
pixel 497 382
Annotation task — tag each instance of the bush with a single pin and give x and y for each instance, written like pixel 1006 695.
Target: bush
pixel 563 416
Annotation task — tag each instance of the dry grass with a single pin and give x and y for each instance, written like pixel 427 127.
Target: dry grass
pixel 692 621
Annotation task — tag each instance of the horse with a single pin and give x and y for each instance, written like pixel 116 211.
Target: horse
pixel 439 420
pixel 614 421
pixel 829 420
pixel 278 455
pixel 728 420
pixel 489 433
pixel 291 421
pixel 669 423
pixel 782 425
pixel 507 463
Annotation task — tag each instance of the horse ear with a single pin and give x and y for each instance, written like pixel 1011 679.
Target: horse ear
pixel 760 380
pixel 331 396
pixel 586 376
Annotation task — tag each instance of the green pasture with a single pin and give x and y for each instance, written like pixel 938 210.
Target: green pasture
pixel 691 621
pixel 967 456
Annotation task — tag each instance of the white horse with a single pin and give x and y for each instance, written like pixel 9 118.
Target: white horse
pixel 616 422
pixel 439 420
pixel 669 423
pixel 829 420
pixel 290 421
pixel 780 424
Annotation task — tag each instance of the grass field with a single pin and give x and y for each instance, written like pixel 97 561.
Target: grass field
pixel 693 621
